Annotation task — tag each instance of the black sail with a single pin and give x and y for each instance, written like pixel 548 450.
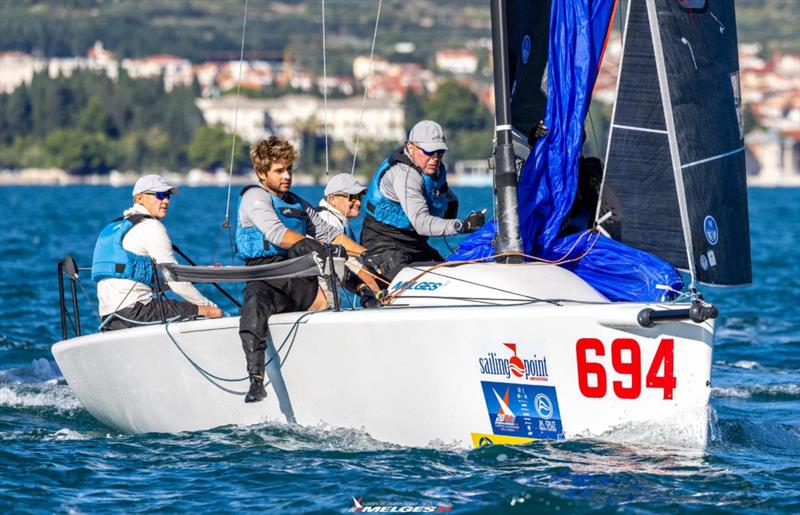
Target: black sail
pixel 528 30
pixel 675 160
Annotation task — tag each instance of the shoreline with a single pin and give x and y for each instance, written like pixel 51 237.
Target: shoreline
pixel 196 177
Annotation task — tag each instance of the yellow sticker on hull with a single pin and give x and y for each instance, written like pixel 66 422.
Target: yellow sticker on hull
pixel 481 440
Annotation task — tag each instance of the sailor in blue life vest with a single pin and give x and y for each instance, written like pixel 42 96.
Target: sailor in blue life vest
pixel 276 224
pixel 123 259
pixel 408 201
pixel 342 203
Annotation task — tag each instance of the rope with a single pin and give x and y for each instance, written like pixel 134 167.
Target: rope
pixel 226 223
pixel 364 98
pixel 325 86
pixel 212 378
pixel 561 261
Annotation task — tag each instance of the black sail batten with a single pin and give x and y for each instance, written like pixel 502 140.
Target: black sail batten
pixel 675 161
pixel 528 33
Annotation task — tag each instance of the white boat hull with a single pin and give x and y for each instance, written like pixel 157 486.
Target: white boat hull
pixel 413 376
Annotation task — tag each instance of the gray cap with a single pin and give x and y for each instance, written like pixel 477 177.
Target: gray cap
pixel 428 135
pixel 153 183
pixel 344 183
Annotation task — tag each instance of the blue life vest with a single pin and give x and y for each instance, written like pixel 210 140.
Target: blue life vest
pixel 112 261
pixel 390 212
pixel 250 241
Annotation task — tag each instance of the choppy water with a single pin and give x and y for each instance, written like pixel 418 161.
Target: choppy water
pixel 55 457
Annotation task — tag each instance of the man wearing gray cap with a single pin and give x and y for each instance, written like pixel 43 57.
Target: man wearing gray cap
pixel 123 259
pixel 408 201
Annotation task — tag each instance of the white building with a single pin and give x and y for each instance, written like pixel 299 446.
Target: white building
pixel 17 68
pixel 176 71
pixel 459 61
pixel 775 158
pixel 289 115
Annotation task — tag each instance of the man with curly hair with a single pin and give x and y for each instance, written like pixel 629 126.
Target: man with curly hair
pixel 276 224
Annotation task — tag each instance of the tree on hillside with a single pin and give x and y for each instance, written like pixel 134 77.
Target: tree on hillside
pixel 210 148
pixel 467 123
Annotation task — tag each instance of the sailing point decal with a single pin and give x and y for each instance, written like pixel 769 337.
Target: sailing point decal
pixel 530 369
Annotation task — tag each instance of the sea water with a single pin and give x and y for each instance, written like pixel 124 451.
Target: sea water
pixel 55 457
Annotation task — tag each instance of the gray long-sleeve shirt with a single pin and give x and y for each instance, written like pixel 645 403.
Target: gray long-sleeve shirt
pixel 256 209
pixel 403 184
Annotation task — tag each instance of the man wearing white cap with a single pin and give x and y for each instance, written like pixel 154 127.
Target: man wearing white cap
pixel 123 259
pixel 408 201
pixel 342 202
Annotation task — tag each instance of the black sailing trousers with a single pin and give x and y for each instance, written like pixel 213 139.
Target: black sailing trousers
pixel 262 299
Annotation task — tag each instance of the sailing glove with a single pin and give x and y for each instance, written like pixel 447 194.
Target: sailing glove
pixel 367 298
pixel 472 222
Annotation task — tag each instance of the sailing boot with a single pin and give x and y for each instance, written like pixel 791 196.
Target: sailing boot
pixel 254 353
pixel 256 393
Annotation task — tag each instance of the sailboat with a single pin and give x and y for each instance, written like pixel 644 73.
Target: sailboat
pixel 528 334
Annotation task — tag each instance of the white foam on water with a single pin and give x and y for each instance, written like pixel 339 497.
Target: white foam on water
pixel 292 437
pixel 746 392
pixel 689 431
pixel 746 364
pixel 65 434
pixel 55 396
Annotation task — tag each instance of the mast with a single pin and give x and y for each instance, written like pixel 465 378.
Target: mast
pixel 505 172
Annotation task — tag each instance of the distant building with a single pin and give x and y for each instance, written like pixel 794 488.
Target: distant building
pixel 470 172
pixel 398 79
pixel 459 61
pixel 775 158
pixel 290 115
pixel 18 68
pixel 175 70
pixel 361 66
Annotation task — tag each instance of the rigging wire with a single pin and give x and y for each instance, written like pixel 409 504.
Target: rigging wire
pixel 325 86
pixel 364 98
pixel 620 12
pixel 226 223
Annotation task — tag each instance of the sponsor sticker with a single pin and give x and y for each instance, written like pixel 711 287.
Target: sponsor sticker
pixel 522 410
pixel 505 361
pixel 712 259
pixel 419 285
pixel 703 262
pixel 711 230
pixel 526 49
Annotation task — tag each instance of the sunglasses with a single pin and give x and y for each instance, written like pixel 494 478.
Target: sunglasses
pixel 439 153
pixel 351 197
pixel 160 195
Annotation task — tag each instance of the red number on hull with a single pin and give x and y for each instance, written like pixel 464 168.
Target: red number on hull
pixel 630 365
pixel 632 368
pixel 664 354
pixel 585 368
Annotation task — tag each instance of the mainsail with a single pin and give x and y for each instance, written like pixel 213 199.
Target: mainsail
pixel 676 157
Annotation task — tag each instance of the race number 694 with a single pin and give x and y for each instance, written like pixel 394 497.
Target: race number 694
pixel 626 362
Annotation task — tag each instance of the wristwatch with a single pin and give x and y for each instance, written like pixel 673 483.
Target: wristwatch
pixel 458 225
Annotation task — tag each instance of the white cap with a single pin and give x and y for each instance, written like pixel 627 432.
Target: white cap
pixel 428 135
pixel 152 183
pixel 344 183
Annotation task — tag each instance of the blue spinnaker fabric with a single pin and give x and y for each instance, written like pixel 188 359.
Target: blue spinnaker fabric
pixel 548 180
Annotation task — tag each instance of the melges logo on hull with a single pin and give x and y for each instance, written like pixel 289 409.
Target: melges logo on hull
pixel 530 369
